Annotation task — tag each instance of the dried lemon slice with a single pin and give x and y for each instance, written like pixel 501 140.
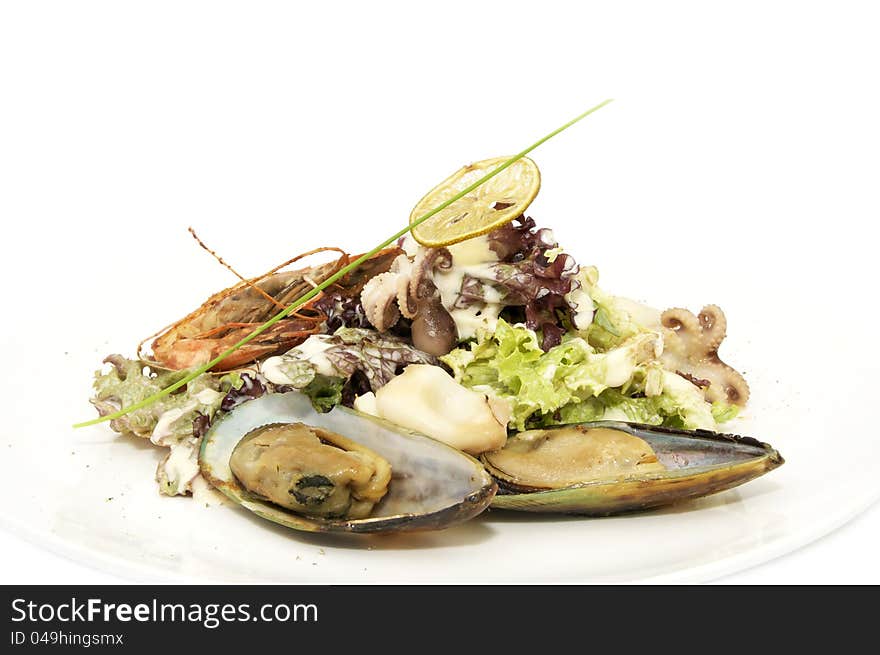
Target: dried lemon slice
pixel 489 206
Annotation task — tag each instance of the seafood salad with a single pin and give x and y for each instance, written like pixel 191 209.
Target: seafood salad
pixel 474 363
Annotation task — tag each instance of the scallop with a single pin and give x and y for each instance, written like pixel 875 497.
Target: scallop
pixel 431 486
pixel 611 467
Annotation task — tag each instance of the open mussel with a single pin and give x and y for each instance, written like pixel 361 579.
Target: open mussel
pixel 342 471
pixel 610 467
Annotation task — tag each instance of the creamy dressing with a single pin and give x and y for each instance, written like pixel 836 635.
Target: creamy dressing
pixel 209 396
pixel 367 404
pixel 471 258
pixel 310 350
pixel 475 258
pixel 271 370
pixel 492 295
pixel 163 428
pixel 619 367
pixel 621 363
pixel 181 466
pixel 410 246
pixel 449 282
pixel 472 251
pixel 470 319
pixel 580 300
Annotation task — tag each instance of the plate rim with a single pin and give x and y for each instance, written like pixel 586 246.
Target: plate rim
pixel 122 567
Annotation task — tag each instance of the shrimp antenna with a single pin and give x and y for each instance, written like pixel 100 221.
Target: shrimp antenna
pixel 234 272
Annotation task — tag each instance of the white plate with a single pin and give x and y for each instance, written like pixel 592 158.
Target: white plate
pixel 90 494
pixel 742 176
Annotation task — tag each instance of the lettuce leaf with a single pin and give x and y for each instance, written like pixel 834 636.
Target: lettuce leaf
pixel 177 421
pixel 573 382
pixel 612 325
pixel 511 364
pixel 723 412
pixel 325 392
pixel 675 406
pixel 130 381
pixel 610 405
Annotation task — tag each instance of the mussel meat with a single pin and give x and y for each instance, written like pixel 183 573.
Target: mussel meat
pixel 610 467
pixel 311 471
pixel 431 485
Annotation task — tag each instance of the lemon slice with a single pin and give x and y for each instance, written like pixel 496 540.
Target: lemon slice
pixel 489 206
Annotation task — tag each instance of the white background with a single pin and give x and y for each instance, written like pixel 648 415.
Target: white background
pixel 741 152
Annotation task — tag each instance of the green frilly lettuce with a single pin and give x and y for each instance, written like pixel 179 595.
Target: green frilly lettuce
pixel 574 382
pixel 169 422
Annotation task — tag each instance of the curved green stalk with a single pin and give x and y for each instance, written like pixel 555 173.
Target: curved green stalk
pixel 299 302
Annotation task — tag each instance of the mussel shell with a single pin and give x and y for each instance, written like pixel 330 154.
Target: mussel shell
pixel 698 463
pixel 432 485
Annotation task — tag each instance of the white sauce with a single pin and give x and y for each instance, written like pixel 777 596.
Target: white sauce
pixel 271 370
pixel 472 258
pixel 367 404
pixel 310 350
pixel 471 319
pixel 182 465
pixel 582 303
pixel 472 251
pixel 621 363
pixel 410 246
pixel 619 367
pixel 492 295
pixel 209 396
pixel 163 426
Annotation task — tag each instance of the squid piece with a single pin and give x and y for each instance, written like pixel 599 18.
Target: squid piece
pixel 428 400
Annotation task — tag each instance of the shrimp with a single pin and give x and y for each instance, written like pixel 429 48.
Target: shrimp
pixel 228 316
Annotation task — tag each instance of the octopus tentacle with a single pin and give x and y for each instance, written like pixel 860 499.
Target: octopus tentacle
pixel 691 349
pixel 378 299
pixel 408 289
